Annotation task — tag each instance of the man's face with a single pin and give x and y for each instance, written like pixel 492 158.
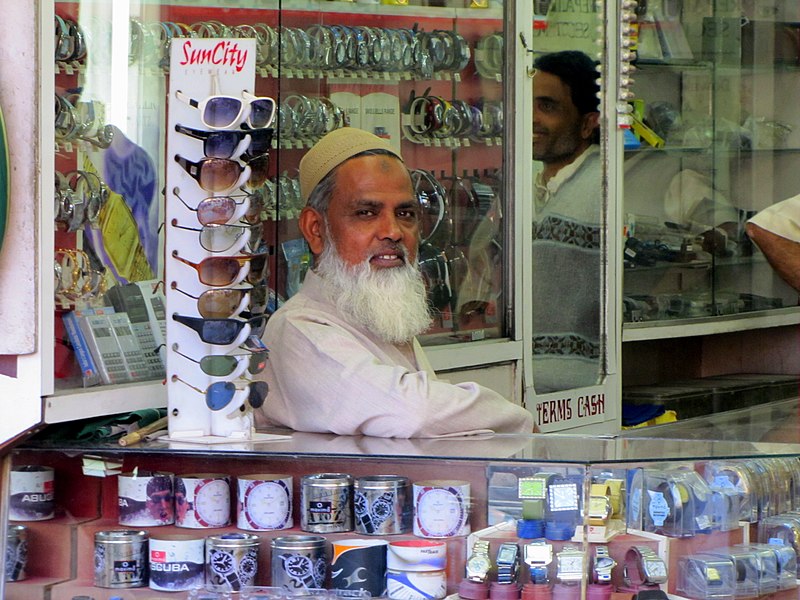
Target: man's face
pixel 560 132
pixel 181 506
pixel 159 504
pixel 373 214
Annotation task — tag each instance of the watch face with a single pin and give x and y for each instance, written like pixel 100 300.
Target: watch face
pixel 570 564
pixel 604 562
pixel 212 503
pixel 531 487
pixel 440 512
pixel 563 496
pixel 267 505
pixel 478 565
pixel 541 554
pixel 655 569
pixel 506 555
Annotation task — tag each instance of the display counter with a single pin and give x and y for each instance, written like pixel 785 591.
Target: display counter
pixel 499 516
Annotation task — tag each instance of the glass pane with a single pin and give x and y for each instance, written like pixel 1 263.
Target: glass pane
pixel 568 199
pixel 429 79
pixel 713 142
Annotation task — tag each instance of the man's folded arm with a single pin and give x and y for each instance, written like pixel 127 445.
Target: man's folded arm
pixel 329 381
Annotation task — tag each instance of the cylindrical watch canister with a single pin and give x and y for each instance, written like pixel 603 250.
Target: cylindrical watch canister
pixel 441 508
pixel 264 502
pixel 16 552
pixel 32 493
pixel 120 558
pixel 145 499
pixel 415 570
pixel 299 562
pixel 177 562
pixel 231 561
pixel 359 565
pixel 326 503
pixel 202 500
pixel 382 505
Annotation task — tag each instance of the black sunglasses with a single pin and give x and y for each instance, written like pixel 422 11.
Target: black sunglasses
pixel 222 332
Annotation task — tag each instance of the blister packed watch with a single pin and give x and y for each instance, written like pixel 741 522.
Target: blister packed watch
pixel 507 562
pixel 706 576
pixel 479 563
pixel 569 565
pixel 603 564
pixel 538 556
pixel 643 567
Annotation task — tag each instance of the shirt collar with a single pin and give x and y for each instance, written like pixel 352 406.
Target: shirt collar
pixel 563 175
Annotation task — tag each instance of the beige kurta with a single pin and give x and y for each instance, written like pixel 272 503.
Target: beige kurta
pixel 328 375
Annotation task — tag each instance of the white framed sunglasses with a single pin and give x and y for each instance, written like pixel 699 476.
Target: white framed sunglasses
pixel 224 112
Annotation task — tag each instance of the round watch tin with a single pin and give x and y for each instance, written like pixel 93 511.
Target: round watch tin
pixel 299 562
pixel 120 558
pixel 326 503
pixel 382 505
pixel 231 561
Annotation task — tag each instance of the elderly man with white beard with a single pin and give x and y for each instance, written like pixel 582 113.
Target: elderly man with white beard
pixel 344 357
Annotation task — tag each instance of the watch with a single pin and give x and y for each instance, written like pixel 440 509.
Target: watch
pixel 534 487
pixel 603 563
pixel 569 564
pixel 616 494
pixel 507 562
pixel 563 499
pixel 600 508
pixel 643 567
pixel 538 555
pixel 479 563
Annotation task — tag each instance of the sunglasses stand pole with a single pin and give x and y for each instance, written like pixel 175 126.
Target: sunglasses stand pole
pixel 200 69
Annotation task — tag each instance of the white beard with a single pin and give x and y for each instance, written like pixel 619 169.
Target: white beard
pixel 391 303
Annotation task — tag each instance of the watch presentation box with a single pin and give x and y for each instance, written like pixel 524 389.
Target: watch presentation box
pixel 706 576
pixel 674 503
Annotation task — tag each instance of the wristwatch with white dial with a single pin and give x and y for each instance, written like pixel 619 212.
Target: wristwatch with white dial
pixel 570 567
pixel 600 508
pixel 643 567
pixel 479 563
pixel 603 563
pixel 538 554
pixel 507 562
pixel 563 499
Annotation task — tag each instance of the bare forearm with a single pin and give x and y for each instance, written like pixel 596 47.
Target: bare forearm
pixel 783 254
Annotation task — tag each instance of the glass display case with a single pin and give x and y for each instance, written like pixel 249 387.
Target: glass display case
pixel 504 515
pixel 713 141
pixel 428 77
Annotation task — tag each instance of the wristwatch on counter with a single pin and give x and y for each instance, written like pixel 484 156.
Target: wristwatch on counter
pixel 603 563
pixel 535 486
pixel 538 555
pixel 507 562
pixel 563 499
pixel 600 507
pixel 569 565
pixel 479 563
pixel 643 567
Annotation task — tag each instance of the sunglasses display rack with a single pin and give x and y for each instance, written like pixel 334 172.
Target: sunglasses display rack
pixel 216 262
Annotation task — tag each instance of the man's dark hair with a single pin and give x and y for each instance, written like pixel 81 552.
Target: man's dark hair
pixel 576 70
